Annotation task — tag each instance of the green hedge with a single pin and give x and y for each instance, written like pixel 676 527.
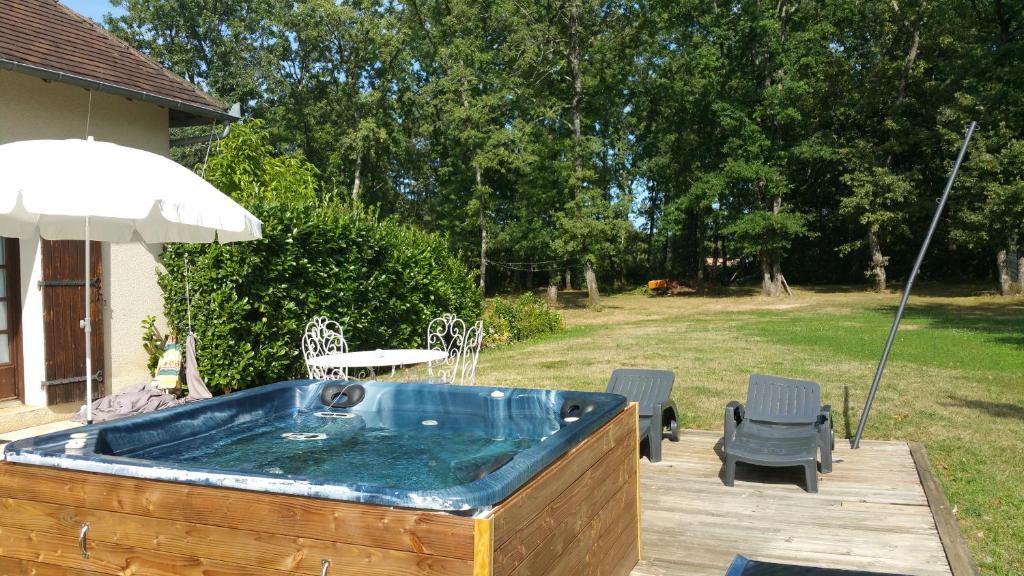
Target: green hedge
pixel 508 320
pixel 381 280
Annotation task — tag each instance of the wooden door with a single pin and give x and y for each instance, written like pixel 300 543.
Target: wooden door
pixel 10 320
pixel 63 310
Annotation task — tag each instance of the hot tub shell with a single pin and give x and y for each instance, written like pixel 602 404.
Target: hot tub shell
pixel 579 515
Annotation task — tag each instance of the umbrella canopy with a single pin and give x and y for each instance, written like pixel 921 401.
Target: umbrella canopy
pixel 87 190
pixel 51 186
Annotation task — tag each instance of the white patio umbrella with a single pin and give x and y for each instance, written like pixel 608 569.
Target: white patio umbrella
pixel 87 190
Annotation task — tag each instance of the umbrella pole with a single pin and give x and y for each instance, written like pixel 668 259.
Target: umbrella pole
pixel 910 284
pixel 87 327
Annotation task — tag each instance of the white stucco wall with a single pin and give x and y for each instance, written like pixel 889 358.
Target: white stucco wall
pixel 31 108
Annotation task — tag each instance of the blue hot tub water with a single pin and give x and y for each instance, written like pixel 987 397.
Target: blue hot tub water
pixel 413 456
pixel 406 444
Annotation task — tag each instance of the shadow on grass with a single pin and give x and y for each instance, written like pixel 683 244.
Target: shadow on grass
pixel 715 291
pixel 1005 321
pixel 572 299
pixel 996 409
pixel 576 299
pixel 847 427
pixel 837 289
pixel 928 289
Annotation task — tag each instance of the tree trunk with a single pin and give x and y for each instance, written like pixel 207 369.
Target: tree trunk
pixel 356 180
pixel 577 135
pixel 666 256
pixel 876 268
pixel 1012 258
pixel 767 286
pixel 577 95
pixel 701 256
pixel 908 67
pixel 483 236
pixel 716 260
pixel 568 278
pixel 1020 273
pixel 776 277
pixel 771 264
pixel 529 280
pixel 479 193
pixel 483 260
pixel 651 213
pixel 592 293
pixel 1005 283
pixel 724 277
pixel 553 292
pixel 908 62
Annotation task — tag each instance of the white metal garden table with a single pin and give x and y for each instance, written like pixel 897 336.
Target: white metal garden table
pixel 377 358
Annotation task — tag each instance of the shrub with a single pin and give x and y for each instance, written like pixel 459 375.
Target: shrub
pixel 381 280
pixel 508 320
pixel 153 342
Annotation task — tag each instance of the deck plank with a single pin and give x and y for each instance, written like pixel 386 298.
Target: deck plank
pixel 870 513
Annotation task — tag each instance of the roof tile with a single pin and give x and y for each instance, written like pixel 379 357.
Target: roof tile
pixel 45 34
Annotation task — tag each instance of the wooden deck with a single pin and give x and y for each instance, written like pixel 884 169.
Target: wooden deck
pixel 870 513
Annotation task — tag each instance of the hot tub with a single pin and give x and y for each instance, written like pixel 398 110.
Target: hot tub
pixel 404 478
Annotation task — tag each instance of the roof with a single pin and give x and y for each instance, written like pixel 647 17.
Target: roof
pixel 44 38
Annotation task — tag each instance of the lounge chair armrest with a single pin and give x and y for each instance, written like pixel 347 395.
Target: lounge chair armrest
pixel 825 416
pixel 826 438
pixel 666 420
pixel 734 413
pixel 736 410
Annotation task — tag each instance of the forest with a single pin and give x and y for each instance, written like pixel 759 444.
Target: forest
pixel 607 142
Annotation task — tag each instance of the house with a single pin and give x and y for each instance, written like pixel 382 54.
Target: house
pixel 62 75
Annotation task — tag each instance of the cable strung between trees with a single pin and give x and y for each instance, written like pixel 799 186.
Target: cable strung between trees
pixel 541 266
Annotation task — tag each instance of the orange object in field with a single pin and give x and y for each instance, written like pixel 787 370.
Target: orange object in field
pixel 657 284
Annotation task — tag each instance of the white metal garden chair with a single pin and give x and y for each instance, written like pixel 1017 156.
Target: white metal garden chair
pixel 471 352
pixel 449 334
pixel 324 336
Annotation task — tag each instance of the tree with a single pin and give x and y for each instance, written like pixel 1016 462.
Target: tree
pixel 762 137
pixel 877 200
pixel 880 52
pixel 383 281
pixel 479 142
pixel 987 213
pixel 343 67
pixel 219 45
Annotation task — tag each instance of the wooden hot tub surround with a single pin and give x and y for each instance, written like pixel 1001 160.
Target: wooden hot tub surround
pixel 578 516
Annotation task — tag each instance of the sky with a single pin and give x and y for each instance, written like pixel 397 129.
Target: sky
pixel 94 9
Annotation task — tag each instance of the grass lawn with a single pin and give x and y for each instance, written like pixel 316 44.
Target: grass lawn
pixel 955 380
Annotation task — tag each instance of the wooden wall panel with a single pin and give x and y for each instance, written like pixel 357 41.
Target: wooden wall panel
pixel 423 532
pixel 274 551
pixel 579 516
pixel 529 501
pixel 559 523
pixel 115 559
pixel 16 567
pixel 584 555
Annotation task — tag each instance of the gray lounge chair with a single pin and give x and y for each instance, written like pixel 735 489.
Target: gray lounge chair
pixel 782 424
pixel 652 391
pixel 743 566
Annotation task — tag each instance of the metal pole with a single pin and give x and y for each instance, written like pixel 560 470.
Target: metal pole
pixel 910 284
pixel 87 327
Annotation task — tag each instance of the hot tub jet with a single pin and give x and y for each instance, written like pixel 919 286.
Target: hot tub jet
pixel 304 436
